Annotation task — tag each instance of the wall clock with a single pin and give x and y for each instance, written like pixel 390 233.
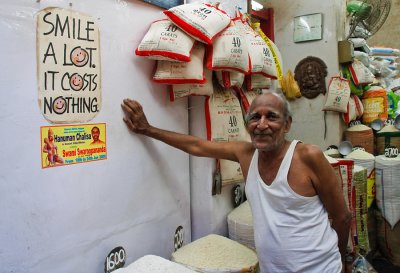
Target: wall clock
pixel 307 27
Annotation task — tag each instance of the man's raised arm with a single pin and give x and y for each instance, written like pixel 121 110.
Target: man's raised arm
pixel 136 121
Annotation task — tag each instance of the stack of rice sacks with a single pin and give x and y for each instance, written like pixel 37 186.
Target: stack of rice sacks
pixel 367 161
pixel 154 264
pixel 240 225
pixel 216 254
pixel 387 173
pixel 359 199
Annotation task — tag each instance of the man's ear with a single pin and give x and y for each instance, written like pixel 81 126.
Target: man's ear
pixel 288 125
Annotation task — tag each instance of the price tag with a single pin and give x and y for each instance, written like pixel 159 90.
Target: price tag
pixel 357 147
pixel 389 122
pixel 115 259
pixel 178 238
pixel 391 151
pixel 354 123
pixel 236 195
pixel 332 147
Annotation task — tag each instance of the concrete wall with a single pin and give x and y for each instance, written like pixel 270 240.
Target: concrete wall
pixel 308 122
pixel 388 35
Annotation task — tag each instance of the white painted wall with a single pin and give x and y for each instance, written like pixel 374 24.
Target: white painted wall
pixel 308 122
pixel 67 219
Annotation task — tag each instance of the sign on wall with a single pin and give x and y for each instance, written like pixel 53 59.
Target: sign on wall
pixel 72 144
pixel 68 65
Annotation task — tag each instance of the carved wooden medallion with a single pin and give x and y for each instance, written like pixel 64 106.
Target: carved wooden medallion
pixel 310 75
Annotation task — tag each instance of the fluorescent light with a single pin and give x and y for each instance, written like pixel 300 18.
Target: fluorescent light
pixel 256 6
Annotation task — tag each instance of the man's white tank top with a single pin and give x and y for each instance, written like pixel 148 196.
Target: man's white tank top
pixel 292 233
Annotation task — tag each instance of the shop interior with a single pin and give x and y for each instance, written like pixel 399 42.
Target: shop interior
pixel 82 193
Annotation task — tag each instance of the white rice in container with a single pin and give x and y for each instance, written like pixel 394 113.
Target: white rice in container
pixel 367 161
pixel 358 127
pixel 216 254
pixel 332 153
pixel 240 225
pixel 387 173
pixel 154 264
pixel 389 128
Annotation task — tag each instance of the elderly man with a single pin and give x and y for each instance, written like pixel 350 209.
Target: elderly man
pixel 290 186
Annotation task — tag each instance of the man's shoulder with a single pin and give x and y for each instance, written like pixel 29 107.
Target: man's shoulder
pixel 309 151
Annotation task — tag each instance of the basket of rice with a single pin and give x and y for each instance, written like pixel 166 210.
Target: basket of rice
pixel 362 136
pixel 216 254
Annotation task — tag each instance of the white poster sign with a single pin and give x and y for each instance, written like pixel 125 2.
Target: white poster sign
pixel 68 65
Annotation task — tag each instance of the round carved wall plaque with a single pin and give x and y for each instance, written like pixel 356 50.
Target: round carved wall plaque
pixel 310 75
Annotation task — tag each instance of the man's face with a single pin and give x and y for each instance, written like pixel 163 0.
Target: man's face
pixel 267 125
pixel 95 134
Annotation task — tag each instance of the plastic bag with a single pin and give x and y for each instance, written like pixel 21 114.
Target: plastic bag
pixel 290 87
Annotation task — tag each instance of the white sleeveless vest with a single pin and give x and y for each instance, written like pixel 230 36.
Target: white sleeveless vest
pixel 292 233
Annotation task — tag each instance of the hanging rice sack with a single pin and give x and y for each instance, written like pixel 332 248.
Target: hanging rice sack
pixel 195 89
pixel 240 225
pixel 246 98
pixel 257 81
pixel 201 21
pixel 360 136
pixel 338 95
pixel 355 89
pixel 228 79
pixel 387 173
pixel 229 51
pixel 360 209
pixel 165 41
pixel 261 58
pixel 346 167
pixel 224 122
pixel 272 47
pixel 366 160
pixel 389 136
pixel 182 72
pixel 154 264
pixel 375 104
pixel 355 109
pixel 360 74
pixel 224 116
pixel 216 254
pixel 388 239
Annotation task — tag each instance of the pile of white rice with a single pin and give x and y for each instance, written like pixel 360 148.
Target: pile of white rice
pixel 154 264
pixel 217 254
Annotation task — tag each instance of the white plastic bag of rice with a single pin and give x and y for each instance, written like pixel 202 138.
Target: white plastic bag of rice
pixel 154 264
pixel 387 173
pixel 216 254
pixel 366 160
pixel 240 225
